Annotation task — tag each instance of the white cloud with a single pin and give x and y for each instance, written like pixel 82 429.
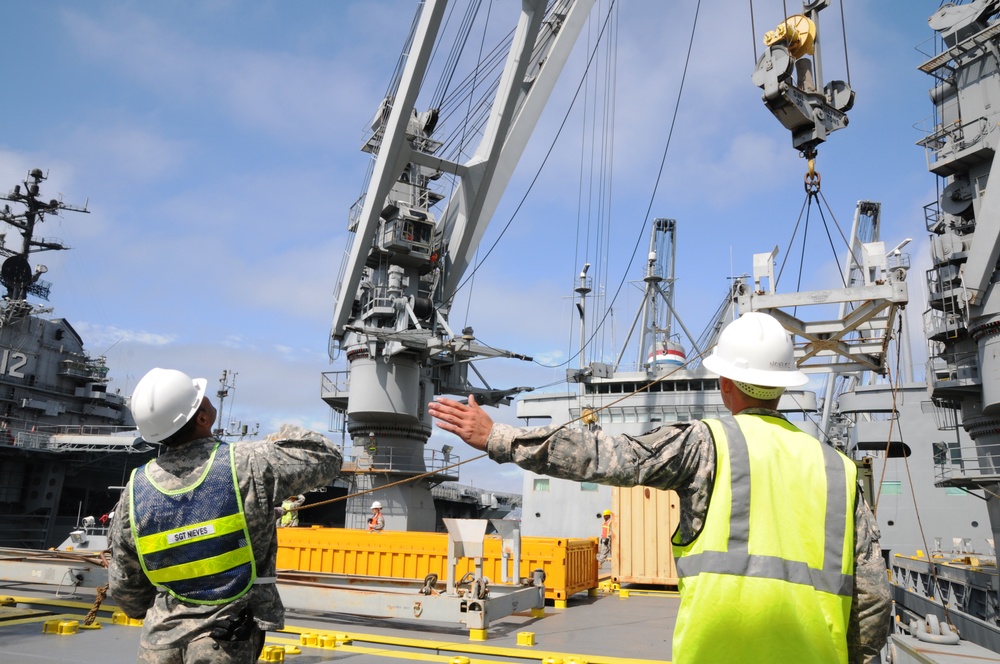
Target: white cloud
pixel 99 336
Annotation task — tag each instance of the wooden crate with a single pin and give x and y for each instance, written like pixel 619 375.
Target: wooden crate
pixel 645 520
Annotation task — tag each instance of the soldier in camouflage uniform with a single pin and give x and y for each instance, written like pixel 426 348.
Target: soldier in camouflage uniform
pixel 682 457
pixel 289 462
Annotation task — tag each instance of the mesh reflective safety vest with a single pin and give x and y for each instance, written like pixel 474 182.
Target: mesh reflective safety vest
pixel 289 517
pixel 771 574
pixel 194 541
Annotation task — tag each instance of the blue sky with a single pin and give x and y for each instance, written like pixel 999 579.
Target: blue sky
pixel 217 143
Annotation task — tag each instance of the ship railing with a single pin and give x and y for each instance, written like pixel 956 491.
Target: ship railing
pixel 33 441
pixel 72 442
pixel 900 260
pixel 353 219
pixel 380 302
pixel 945 414
pixel 354 214
pixel 956 461
pixel 86 430
pixel 951 139
pixel 933 217
pixel 335 388
pixel 951 368
pixel 387 459
pixel 939 325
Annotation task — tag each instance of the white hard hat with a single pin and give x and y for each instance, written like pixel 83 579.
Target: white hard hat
pixel 756 349
pixel 164 401
pixel 376 505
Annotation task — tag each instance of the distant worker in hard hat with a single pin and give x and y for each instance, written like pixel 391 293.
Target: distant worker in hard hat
pixel 376 522
pixel 288 512
pixel 604 543
pixel 776 549
pixel 193 544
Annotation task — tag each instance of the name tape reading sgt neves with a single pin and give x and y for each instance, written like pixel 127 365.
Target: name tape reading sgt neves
pixel 185 535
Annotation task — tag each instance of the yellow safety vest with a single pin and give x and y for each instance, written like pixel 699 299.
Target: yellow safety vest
pixel 770 576
pixel 194 541
pixel 289 517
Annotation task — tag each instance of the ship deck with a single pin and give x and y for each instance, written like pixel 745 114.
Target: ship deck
pixel 606 627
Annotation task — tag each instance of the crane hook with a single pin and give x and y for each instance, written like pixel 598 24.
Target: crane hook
pixel 812 178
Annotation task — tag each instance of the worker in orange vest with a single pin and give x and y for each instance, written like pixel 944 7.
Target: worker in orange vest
pixel 377 522
pixel 604 543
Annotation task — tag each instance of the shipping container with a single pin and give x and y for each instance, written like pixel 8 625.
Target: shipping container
pixel 644 521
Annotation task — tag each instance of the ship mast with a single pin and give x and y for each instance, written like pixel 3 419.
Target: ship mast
pixel 16 273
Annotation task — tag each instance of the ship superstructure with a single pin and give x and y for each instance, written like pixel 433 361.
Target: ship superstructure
pixel 64 438
pixel 962 319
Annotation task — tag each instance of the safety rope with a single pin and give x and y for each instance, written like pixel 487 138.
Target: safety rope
pixel 382 487
pixel 894 385
pixel 102 592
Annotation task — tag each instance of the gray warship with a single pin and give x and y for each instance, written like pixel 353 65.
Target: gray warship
pixel 65 440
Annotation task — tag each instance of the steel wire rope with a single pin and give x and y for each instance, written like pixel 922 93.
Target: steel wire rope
pixel 847 243
pixel 390 93
pixel 477 110
pixel 673 122
pixel 472 284
pixel 534 180
pixel 909 477
pixel 806 208
pixel 833 249
pixel 659 175
pixel 802 251
pixel 457 47
pixel 475 120
pixel 791 240
pixel 484 70
pixel 382 487
pixel 580 237
pixel 843 32
pixel 584 198
pixel 607 152
pixel 888 445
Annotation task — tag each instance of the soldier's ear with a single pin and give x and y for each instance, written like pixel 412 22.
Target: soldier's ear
pixel 203 416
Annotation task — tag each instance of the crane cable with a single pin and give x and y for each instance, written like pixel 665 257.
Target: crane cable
pixel 642 233
pixel 894 384
pixel 382 487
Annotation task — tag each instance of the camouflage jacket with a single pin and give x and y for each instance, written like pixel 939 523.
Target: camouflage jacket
pixel 681 457
pixel 290 462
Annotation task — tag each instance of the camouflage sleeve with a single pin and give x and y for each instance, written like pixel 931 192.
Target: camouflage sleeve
pixel 299 460
pixel 127 583
pixel 868 629
pixel 669 457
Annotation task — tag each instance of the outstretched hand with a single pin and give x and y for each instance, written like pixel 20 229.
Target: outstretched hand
pixel 468 422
